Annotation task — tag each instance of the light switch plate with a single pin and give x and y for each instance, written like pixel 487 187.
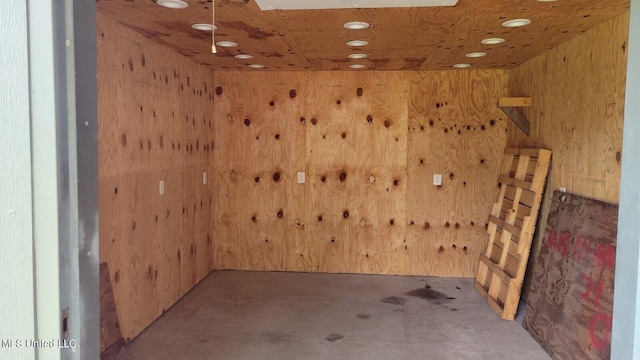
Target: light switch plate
pixel 301 177
pixel 161 187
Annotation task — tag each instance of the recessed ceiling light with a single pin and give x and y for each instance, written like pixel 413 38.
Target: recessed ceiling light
pixel 492 41
pixel 204 27
pixel 243 56
pixel 357 56
pixel 461 66
pixel 172 4
pixel 476 54
pixel 357 66
pixel 356 25
pixel 226 43
pixel 256 66
pixel 357 43
pixel 516 23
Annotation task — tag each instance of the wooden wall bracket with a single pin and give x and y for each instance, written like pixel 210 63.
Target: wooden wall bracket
pixel 508 105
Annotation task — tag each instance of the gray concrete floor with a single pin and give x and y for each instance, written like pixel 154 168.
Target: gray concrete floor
pixel 270 315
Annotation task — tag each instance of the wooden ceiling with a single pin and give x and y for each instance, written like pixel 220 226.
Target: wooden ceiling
pixel 399 38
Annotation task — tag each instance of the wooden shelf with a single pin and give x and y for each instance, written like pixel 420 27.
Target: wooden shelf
pixel 508 106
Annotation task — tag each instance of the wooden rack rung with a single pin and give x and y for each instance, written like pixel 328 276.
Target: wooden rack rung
pixel 527 197
pixel 496 270
pixel 505 225
pixel 485 294
pixel 521 212
pixel 496 306
pixel 506 180
pixel 482 290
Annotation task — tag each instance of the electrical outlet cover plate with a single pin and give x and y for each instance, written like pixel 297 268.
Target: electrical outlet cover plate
pixel 301 177
pixel 437 179
pixel 161 187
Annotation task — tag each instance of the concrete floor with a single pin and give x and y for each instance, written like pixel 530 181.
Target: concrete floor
pixel 268 315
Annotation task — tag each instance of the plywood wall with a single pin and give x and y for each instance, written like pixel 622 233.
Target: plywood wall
pixel 577 92
pixel 155 123
pixel 369 144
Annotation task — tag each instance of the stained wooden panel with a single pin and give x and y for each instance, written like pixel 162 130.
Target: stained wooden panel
pixel 399 39
pixel 511 226
pixel 332 221
pixel 109 326
pixel 367 194
pixel 155 124
pixel 380 219
pixel 577 92
pixel 251 216
pixel 570 306
pixel 261 143
pixel 454 130
pixel 381 118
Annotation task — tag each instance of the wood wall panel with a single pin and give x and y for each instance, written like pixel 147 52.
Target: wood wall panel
pixel 455 129
pixel 260 149
pixel 155 123
pixel 369 144
pixel 577 92
pixel 329 231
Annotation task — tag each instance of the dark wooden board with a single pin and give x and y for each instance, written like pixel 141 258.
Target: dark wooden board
pixel 109 328
pixel 571 299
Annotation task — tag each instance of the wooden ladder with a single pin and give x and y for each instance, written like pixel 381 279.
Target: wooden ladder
pixel 511 227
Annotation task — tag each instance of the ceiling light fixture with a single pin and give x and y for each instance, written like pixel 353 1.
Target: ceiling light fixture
pixel 226 43
pixel 243 56
pixel 357 66
pixel 172 4
pixel 357 56
pixel 476 54
pixel 357 43
pixel 461 66
pixel 492 41
pixel 204 27
pixel 357 25
pixel 516 23
pixel 256 66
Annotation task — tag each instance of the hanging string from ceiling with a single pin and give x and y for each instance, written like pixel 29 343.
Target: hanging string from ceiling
pixel 213 30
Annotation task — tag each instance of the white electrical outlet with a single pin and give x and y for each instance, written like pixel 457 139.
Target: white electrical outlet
pixel 437 179
pixel 301 177
pixel 204 178
pixel 161 187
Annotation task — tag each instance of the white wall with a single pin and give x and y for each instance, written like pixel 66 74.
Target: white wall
pixel 625 342
pixel 44 154
pixel 16 244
